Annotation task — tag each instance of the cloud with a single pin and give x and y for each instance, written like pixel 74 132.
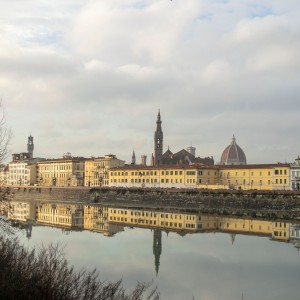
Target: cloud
pixel 89 77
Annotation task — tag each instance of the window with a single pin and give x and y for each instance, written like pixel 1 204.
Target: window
pixel 190 173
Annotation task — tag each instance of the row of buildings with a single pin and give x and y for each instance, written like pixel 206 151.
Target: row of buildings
pixel 112 172
pixel 110 220
pixel 182 169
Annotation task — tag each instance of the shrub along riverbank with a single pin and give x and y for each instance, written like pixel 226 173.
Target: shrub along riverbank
pixel 46 274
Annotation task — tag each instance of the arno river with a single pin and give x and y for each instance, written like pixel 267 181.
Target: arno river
pixel 185 254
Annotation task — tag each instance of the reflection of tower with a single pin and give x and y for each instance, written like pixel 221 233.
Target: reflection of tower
pixel 30 146
pixel 158 142
pixel 28 230
pixel 232 236
pixel 157 248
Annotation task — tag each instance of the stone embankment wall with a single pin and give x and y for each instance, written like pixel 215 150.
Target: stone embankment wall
pixel 266 204
pixel 50 194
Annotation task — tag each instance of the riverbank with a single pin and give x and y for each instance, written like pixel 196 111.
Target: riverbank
pixel 266 204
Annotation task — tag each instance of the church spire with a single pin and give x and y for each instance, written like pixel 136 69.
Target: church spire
pixel 158 141
pixel 133 160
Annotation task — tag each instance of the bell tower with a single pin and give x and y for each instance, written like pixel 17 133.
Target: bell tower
pixel 158 142
pixel 30 146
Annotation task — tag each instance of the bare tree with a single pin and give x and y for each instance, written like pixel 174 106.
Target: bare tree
pixel 45 274
pixel 5 137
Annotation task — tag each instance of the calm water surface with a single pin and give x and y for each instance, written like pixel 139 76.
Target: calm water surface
pixel 200 265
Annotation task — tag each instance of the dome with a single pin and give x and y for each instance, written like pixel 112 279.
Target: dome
pixel 233 155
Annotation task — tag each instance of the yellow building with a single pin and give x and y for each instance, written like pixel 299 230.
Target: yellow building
pixel 281 231
pixel 258 177
pixel 61 214
pixel 194 222
pixel 96 219
pixel 163 176
pixel 244 177
pixel 170 220
pixel 247 226
pixel 66 171
pixel 97 169
pixel 21 211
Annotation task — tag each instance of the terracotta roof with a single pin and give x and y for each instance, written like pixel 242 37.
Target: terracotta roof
pixel 233 154
pixel 254 166
pixel 165 167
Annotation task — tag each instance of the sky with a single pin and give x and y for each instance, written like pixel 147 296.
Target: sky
pixel 88 77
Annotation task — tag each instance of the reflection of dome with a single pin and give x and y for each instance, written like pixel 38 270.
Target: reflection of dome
pixel 233 155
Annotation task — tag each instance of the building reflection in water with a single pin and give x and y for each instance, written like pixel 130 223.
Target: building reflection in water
pixel 111 220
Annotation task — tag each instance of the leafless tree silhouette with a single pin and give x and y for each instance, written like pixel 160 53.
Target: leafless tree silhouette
pixel 45 274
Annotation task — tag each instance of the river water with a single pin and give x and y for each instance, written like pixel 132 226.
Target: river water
pixel 236 262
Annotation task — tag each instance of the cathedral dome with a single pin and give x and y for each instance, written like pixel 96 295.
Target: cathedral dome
pixel 233 155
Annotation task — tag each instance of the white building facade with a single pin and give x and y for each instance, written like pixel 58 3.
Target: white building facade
pixel 295 174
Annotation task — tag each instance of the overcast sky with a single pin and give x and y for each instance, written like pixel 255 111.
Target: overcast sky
pixel 88 77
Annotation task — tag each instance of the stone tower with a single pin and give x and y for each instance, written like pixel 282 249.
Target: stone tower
pixel 30 146
pixel 158 142
pixel 143 160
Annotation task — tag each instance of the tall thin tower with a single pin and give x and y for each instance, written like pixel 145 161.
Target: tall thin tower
pixel 158 142
pixel 30 145
pixel 157 245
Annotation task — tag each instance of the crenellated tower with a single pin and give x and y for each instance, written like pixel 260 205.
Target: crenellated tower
pixel 30 146
pixel 158 142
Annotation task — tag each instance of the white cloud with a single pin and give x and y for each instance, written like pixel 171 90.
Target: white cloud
pixel 91 75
